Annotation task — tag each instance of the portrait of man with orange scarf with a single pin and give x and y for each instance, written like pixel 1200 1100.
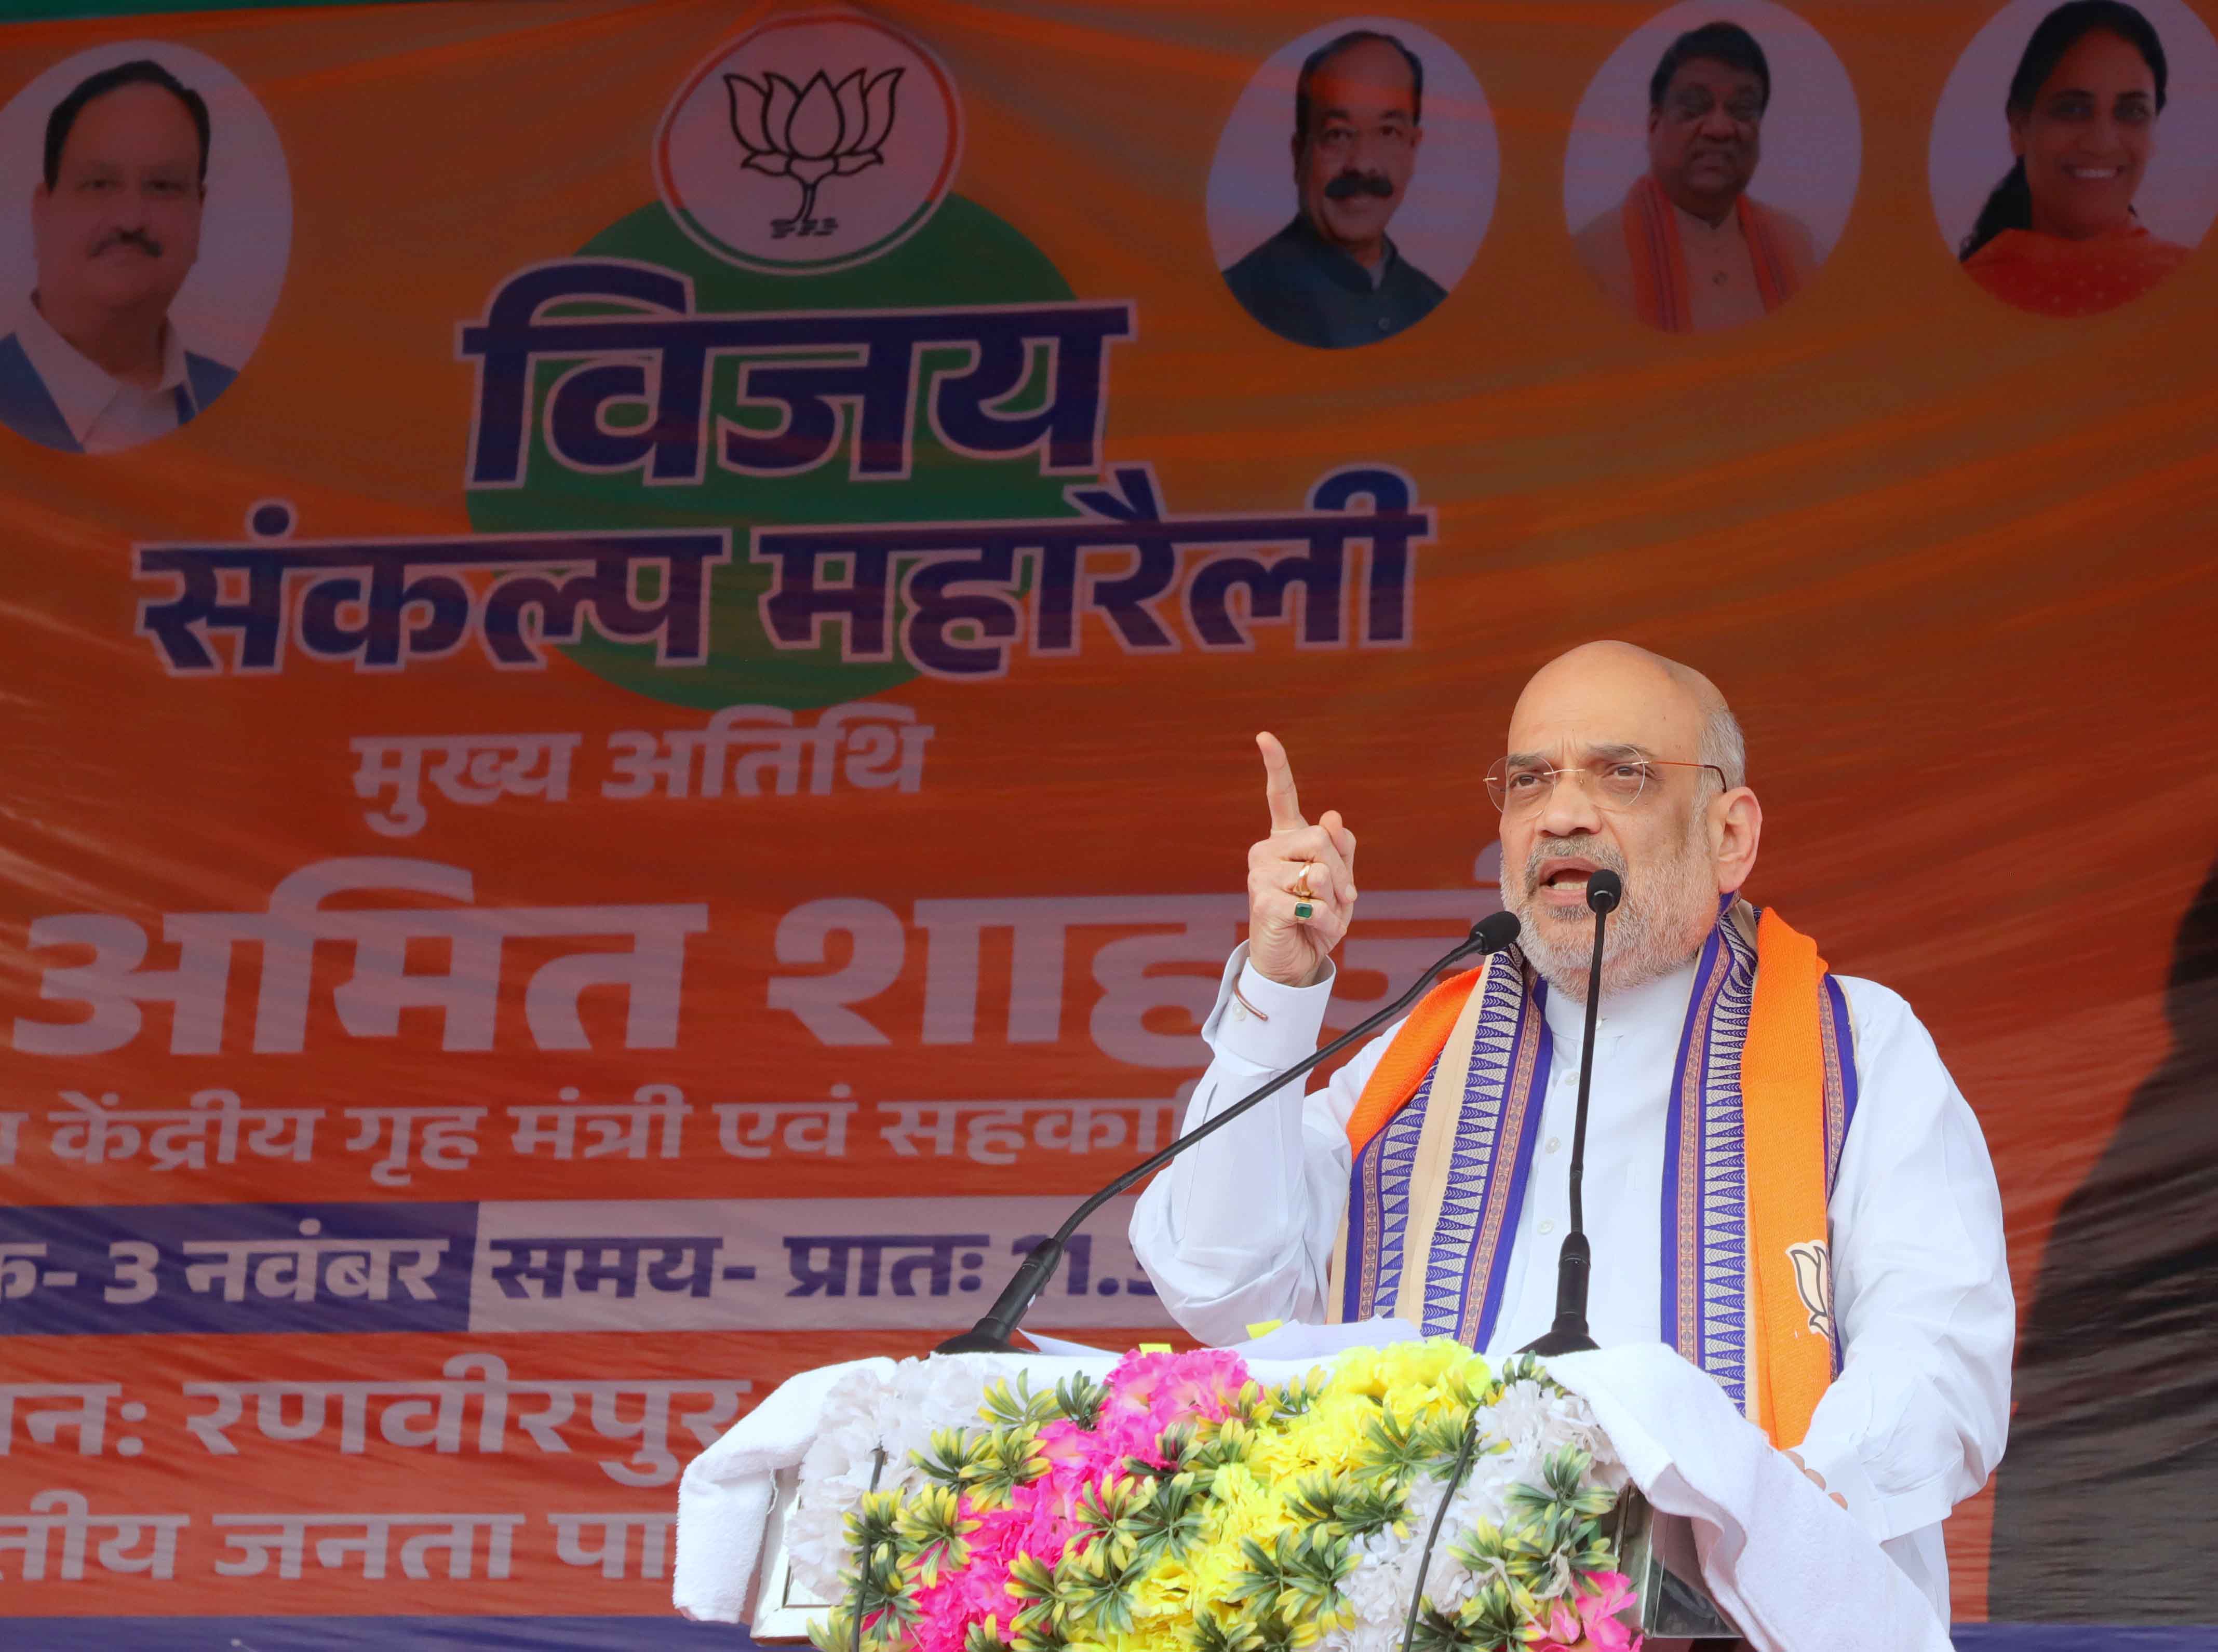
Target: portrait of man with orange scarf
pixel 2059 235
pixel 1785 1184
pixel 1689 249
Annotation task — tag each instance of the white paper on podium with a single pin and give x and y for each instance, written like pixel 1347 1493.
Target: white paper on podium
pixel 1793 1569
pixel 1294 1341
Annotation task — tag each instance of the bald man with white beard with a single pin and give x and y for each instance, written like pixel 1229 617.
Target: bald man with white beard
pixel 1619 758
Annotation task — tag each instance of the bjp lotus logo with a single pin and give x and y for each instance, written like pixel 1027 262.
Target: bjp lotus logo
pixel 815 141
pixel 1813 1283
pixel 812 133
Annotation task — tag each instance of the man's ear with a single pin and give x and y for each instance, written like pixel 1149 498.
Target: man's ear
pixel 2017 124
pixel 1736 829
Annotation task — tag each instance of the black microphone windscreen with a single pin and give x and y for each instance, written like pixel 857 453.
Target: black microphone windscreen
pixel 1604 889
pixel 1496 931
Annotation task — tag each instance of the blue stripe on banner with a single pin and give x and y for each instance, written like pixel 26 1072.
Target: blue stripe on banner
pixel 110 1271
pixel 654 1634
pixel 368 1635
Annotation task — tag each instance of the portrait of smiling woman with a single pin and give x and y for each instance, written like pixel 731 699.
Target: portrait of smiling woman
pixel 2059 234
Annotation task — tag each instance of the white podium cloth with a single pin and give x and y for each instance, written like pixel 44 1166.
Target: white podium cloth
pixel 1786 1564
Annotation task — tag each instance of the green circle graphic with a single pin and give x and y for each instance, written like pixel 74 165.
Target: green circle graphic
pixel 966 255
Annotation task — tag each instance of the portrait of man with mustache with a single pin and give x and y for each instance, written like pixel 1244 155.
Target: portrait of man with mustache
pixel 1689 249
pixel 1333 278
pixel 95 363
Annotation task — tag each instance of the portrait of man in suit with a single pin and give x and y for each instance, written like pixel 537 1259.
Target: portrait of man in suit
pixel 1332 277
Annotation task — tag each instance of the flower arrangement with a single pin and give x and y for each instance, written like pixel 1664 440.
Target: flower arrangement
pixel 1181 1505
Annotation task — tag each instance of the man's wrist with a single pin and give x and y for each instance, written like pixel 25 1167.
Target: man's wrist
pixel 1269 1023
pixel 1316 975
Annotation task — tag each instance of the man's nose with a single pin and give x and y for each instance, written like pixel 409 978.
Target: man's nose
pixel 1569 810
pixel 1719 124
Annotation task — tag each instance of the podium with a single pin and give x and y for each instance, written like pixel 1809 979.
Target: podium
pixel 1721 1538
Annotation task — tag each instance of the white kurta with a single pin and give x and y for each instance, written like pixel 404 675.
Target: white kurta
pixel 103 413
pixel 1240 1229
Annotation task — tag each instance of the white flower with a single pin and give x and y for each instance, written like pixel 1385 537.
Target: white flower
pixel 870 1409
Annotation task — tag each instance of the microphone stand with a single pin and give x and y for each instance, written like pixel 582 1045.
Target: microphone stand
pixel 1569 1335
pixel 992 1332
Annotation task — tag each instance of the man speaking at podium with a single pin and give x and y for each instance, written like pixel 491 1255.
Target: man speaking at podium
pixel 1783 1182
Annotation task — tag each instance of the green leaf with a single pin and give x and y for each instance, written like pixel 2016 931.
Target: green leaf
pixel 949 1454
pixel 1171 1522
pixel 1096 1590
pixel 1106 1513
pixel 1213 1634
pixel 1013 1408
pixel 872 1522
pixel 1344 1506
pixel 1080 1399
pixel 1495 1615
pixel 932 1532
pixel 1008 1458
pixel 981 1636
pixel 1295 1396
pixel 1392 1450
pixel 1298 1575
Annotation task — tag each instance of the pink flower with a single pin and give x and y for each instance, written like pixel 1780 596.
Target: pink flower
pixel 1612 1594
pixel 1590 1623
pixel 1120 1434
pixel 1168 1387
pixel 1147 1394
pixel 1560 1624
pixel 1043 1522
pixel 998 1539
pixel 947 1608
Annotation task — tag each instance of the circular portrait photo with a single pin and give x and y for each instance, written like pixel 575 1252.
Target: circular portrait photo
pixel 145 218
pixel 2075 160
pixel 1712 164
pixel 1353 183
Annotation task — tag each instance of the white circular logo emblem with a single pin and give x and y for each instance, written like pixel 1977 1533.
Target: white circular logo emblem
pixel 813 143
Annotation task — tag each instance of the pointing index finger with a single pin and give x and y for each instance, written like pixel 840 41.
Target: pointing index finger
pixel 1278 786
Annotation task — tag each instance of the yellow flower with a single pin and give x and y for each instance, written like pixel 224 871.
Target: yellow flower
pixel 1281 1455
pixel 1167 1637
pixel 1167 1590
pixel 1358 1371
pixel 1329 1435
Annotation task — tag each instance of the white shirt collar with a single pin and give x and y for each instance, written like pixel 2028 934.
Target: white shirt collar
pixel 1660 1005
pixel 81 387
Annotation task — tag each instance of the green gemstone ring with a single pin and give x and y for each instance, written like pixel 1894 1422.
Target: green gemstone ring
pixel 1303 912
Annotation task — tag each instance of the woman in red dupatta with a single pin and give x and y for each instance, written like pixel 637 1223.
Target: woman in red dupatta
pixel 2059 236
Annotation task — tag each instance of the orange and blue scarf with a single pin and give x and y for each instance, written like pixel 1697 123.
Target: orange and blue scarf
pixel 1761 1100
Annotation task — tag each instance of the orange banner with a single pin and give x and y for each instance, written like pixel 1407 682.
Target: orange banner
pixel 635 630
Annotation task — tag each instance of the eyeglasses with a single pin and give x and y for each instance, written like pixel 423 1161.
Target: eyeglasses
pixel 1615 784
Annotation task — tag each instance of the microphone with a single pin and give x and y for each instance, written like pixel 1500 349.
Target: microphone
pixel 992 1332
pixel 1569 1335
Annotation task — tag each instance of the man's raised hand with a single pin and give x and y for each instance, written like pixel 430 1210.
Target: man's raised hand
pixel 1295 857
